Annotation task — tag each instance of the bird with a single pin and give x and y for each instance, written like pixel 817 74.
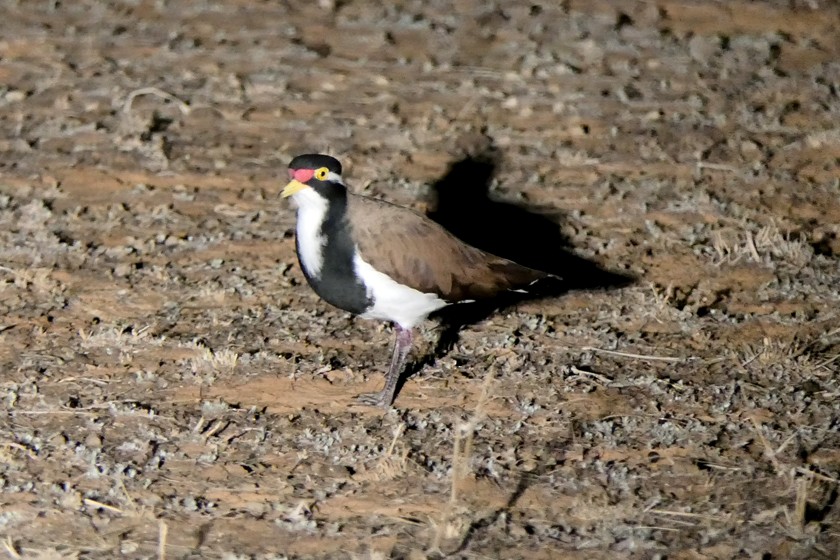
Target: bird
pixel 381 261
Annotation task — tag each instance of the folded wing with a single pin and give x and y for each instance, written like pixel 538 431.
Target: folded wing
pixel 417 252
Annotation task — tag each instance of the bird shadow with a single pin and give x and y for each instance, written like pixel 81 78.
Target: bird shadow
pixel 461 203
pixel 526 235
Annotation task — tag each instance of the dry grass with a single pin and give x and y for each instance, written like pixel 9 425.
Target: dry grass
pixel 768 245
pixel 206 360
pixel 457 516
pixel 38 279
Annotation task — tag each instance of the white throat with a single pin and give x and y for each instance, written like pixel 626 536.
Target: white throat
pixel 312 211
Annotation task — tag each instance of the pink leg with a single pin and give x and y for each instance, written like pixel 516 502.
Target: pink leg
pixel 402 345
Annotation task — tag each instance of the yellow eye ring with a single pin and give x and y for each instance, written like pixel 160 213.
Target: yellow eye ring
pixel 321 173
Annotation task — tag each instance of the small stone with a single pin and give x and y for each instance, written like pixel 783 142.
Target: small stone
pixel 122 270
pixel 93 441
pixel 15 95
pixel 58 440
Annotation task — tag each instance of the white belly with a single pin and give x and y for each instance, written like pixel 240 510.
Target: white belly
pixel 393 301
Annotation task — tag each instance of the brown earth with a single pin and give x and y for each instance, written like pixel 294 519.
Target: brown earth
pixel 171 388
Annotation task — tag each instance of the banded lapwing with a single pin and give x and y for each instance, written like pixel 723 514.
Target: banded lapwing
pixel 382 261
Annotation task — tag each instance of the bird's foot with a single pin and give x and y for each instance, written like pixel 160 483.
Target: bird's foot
pixel 382 399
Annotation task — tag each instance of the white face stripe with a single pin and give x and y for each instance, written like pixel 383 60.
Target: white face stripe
pixel 312 210
pixel 393 301
pixel 334 177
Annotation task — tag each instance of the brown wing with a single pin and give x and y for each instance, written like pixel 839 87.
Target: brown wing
pixel 417 252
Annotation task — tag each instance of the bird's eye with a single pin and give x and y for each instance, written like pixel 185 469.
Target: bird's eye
pixel 321 173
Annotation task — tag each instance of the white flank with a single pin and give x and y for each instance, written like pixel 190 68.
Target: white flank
pixel 312 210
pixel 393 301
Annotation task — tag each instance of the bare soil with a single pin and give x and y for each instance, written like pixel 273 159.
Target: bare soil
pixel 171 388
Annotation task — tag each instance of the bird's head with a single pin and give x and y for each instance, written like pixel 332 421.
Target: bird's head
pixel 315 172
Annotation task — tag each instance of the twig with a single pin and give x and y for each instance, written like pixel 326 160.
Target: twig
pixel 686 514
pixel 828 361
pixel 37 412
pixel 185 109
pixel 826 335
pixel 786 442
pixel 754 357
pixel 657 528
pixel 100 505
pixel 10 547
pixel 603 379
pixel 751 246
pixel 81 410
pixel 163 530
pixel 717 167
pixel 720 467
pixel 768 451
pixel 88 379
pixel 397 433
pixel 216 428
pixel 801 502
pixel 635 356
pixel 132 504
pixel 817 475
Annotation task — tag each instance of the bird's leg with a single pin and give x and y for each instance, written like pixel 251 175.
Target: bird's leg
pixel 402 344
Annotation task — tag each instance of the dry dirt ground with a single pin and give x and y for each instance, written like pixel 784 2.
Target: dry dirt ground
pixel 171 388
